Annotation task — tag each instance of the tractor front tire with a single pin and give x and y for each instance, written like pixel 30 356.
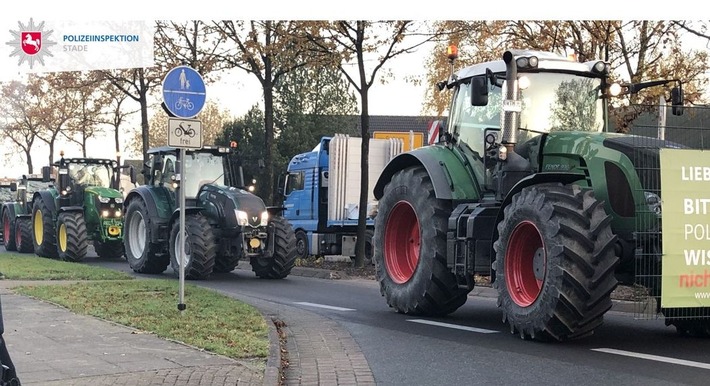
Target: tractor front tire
pixel 23 235
pixel 200 248
pixel 72 242
pixel 140 252
pixel 410 247
pixel 43 235
pixel 8 231
pixel 554 263
pixel 111 249
pixel 280 265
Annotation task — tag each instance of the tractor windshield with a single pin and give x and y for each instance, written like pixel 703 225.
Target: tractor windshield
pixel 200 169
pixel 91 174
pixel 550 102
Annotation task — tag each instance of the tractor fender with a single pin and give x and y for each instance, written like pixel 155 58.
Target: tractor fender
pixel 47 198
pixel 533 179
pixel 148 197
pixel 449 175
pixel 71 209
pixel 176 214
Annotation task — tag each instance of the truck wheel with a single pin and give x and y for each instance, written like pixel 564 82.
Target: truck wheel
pixel 200 247
pixel 139 251
pixel 554 262
pixel 71 236
pixel 280 265
pixel 8 231
pixel 301 245
pixel 43 237
pixel 111 249
pixel 410 247
pixel 23 235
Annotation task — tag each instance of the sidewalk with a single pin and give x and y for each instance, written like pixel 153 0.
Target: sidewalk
pixel 53 346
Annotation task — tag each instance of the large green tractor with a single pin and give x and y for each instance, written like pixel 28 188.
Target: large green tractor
pixel 223 222
pixel 85 205
pixel 528 187
pixel 15 215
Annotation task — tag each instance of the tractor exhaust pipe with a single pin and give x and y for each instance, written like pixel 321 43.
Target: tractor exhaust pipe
pixel 511 103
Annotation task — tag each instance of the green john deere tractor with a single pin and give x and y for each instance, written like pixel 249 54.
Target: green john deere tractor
pixel 528 187
pixel 85 205
pixel 15 215
pixel 223 222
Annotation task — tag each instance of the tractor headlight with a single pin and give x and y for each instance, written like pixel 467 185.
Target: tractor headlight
pixel 104 200
pixel 264 218
pixel 242 217
pixel 118 200
pixel 654 202
pixel 104 213
pixel 118 213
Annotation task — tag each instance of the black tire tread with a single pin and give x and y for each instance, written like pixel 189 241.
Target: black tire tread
pixel 8 239
pixel 151 262
pixel 77 243
pixel 23 228
pixel 576 293
pixel 48 248
pixel 281 264
pixel 203 247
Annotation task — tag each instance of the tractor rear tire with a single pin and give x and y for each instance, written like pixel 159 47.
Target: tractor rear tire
pixel 554 263
pixel 23 235
pixel 43 235
pixel 8 231
pixel 280 265
pixel 111 249
pixel 200 248
pixel 72 242
pixel 410 247
pixel 225 263
pixel 140 252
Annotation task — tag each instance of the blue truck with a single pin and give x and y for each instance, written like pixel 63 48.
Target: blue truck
pixel 322 192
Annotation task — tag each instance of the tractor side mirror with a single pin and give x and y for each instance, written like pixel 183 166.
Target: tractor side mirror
pixel 677 100
pixel 46 174
pixel 479 91
pixel 13 186
pixel 132 174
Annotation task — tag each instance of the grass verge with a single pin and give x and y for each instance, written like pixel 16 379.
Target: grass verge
pixel 212 321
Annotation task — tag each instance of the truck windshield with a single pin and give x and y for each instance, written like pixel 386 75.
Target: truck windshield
pixel 200 169
pixel 550 102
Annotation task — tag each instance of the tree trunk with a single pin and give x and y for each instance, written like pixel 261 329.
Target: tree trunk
pixel 269 140
pixel 28 156
pixel 365 178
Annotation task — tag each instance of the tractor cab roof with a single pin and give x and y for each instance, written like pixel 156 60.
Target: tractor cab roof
pixel 87 161
pixel 216 150
pixel 546 61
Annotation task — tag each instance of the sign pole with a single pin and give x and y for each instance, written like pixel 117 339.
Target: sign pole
pixel 181 304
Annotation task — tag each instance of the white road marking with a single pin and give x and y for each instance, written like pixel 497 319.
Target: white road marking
pixel 324 306
pixel 657 358
pixel 454 326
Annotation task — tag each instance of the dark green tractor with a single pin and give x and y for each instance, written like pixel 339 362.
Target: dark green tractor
pixel 528 187
pixel 223 221
pixel 85 205
pixel 15 215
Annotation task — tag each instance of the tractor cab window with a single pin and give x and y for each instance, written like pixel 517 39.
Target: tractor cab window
pixel 168 173
pixel 201 169
pixel 90 174
pixel 550 102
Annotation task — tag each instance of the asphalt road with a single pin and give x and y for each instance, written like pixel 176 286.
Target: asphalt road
pixel 472 345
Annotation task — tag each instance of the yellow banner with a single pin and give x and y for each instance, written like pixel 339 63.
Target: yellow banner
pixel 685 193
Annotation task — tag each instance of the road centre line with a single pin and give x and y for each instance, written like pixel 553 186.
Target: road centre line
pixel 656 358
pixel 324 306
pixel 454 326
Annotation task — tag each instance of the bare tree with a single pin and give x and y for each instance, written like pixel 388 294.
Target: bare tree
pixel 21 121
pixel 368 45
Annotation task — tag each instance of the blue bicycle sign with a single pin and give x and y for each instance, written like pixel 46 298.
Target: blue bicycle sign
pixel 184 92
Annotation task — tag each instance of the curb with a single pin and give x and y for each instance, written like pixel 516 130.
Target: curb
pixel 272 374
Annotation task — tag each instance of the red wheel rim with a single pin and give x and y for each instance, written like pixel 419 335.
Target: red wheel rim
pixel 18 236
pixel 5 228
pixel 525 264
pixel 402 241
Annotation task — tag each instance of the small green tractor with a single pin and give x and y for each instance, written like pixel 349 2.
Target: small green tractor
pixel 84 205
pixel 223 221
pixel 529 187
pixel 15 215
